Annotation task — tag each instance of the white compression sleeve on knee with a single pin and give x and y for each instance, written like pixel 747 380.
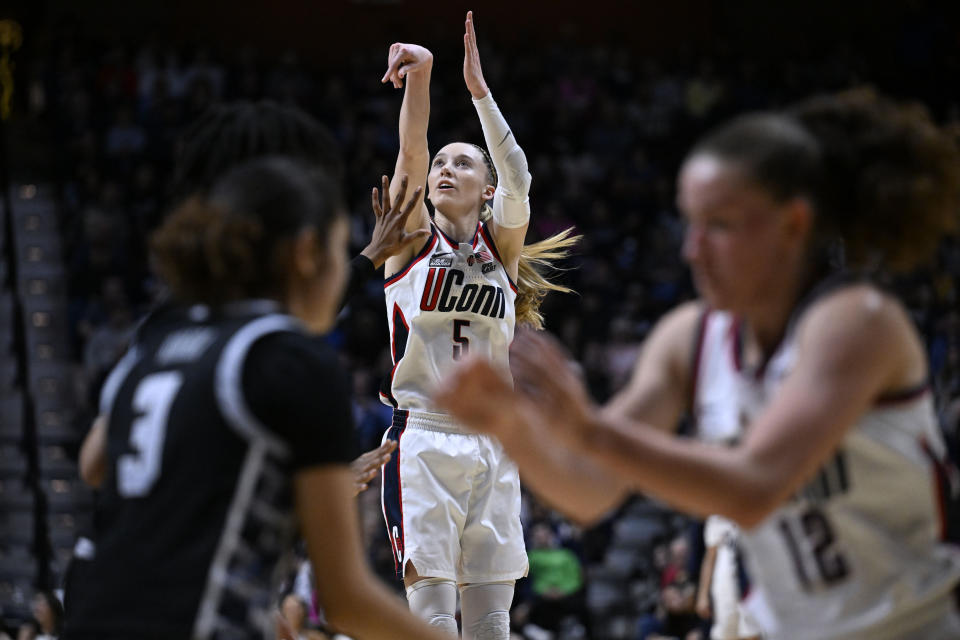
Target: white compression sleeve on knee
pixel 485 610
pixel 435 601
pixel 511 205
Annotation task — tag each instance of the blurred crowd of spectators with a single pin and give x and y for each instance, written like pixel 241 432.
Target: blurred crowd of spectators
pixel 604 131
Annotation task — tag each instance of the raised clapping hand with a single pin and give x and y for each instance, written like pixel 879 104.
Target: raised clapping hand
pixel 404 58
pixel 472 72
pixel 547 391
pixel 389 231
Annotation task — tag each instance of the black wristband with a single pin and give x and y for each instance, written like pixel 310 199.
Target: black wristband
pixel 361 271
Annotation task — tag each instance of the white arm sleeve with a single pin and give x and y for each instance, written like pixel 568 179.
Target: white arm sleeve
pixel 511 204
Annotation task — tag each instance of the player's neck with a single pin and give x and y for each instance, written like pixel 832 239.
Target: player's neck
pixel 461 228
pixel 767 321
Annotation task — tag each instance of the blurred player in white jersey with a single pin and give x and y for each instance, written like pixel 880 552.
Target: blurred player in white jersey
pixel 839 480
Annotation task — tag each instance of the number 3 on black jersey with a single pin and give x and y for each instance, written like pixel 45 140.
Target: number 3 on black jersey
pixel 137 472
pixel 461 344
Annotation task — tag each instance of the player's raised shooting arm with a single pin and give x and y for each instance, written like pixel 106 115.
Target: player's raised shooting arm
pixel 414 64
pixel 511 202
pixel 353 599
pixel 93 454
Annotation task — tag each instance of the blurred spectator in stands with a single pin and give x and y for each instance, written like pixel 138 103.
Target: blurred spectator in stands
pixel 125 138
pixel 675 616
pixel 47 618
pixel 556 602
pixel 292 620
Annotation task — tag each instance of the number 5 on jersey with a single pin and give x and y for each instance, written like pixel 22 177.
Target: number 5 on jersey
pixel 461 344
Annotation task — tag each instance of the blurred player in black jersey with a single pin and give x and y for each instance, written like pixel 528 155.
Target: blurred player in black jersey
pixel 228 135
pixel 225 420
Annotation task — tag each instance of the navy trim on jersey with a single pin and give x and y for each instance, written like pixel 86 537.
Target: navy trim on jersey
pixel 398 345
pixel 392 497
pixel 736 344
pixel 944 483
pixel 427 248
pixel 903 396
pixel 488 238
pixel 696 358
pixel 744 584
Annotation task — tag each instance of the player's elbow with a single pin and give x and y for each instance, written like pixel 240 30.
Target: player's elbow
pixel 751 506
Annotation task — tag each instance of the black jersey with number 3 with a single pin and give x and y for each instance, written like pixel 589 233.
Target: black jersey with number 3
pixel 209 415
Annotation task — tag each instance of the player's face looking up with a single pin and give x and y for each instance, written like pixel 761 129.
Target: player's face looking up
pixel 740 242
pixel 458 182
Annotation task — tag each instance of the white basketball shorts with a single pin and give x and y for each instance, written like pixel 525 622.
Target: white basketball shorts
pixel 451 502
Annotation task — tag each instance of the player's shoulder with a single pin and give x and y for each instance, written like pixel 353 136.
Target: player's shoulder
pixel 679 326
pixel 859 309
pixel 293 348
pixel 859 326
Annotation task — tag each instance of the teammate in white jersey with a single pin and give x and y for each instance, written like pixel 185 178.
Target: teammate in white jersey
pixel 839 478
pixel 451 498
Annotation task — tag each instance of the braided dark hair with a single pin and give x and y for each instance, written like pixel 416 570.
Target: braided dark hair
pixel 228 135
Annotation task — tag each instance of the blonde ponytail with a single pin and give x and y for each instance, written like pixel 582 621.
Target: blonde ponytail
pixel 532 285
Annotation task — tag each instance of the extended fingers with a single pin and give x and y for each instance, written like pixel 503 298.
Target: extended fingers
pixel 394 60
pixel 414 201
pixel 375 203
pixel 409 238
pixel 471 32
pixel 384 193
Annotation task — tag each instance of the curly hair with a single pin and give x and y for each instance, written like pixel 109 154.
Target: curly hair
pixel 890 177
pixel 233 242
pixel 884 180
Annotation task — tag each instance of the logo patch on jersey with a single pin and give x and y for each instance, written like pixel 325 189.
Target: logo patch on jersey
pixel 442 260
pixel 488 267
pixel 482 257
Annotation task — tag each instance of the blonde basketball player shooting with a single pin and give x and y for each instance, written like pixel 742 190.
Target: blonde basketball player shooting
pixel 451 498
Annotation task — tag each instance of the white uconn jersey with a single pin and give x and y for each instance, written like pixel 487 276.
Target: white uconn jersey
pixel 857 553
pixel 451 299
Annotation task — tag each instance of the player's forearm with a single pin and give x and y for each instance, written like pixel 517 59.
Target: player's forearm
pixel 507 155
pixel 415 113
pixel 692 476
pixel 571 484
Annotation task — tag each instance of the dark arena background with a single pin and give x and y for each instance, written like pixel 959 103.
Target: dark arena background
pixel 604 96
